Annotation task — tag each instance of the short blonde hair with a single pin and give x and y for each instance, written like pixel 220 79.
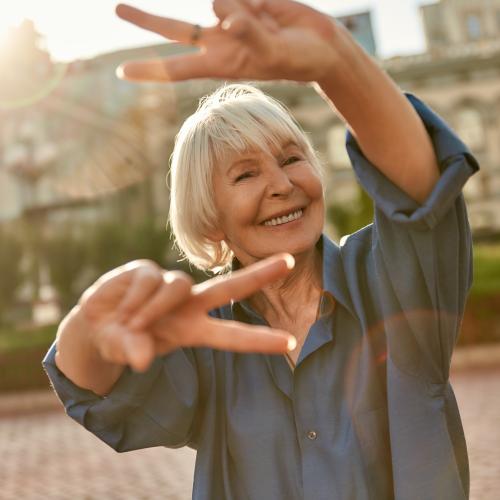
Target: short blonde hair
pixel 234 119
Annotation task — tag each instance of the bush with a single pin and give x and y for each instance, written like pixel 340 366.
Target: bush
pixel 21 354
pixel 76 259
pixel 486 270
pixel 10 271
pixel 482 315
pixel 111 244
pixel 348 219
pixel 67 259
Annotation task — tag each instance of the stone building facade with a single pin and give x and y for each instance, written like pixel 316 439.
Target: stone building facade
pixel 458 76
pixel 77 145
pixel 92 134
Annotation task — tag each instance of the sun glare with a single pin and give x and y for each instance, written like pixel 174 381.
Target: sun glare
pixel 8 20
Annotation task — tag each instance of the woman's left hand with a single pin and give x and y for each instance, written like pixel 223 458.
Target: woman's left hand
pixel 257 40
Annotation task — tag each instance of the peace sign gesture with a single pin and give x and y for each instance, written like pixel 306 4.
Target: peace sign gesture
pixel 253 39
pixel 139 311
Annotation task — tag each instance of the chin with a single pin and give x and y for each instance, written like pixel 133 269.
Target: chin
pixel 303 245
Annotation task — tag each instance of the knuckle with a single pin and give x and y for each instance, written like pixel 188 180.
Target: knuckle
pixel 178 279
pixel 145 263
pixel 147 272
pixel 142 265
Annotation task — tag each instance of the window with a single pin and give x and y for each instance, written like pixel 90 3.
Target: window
pixel 474 28
pixel 470 128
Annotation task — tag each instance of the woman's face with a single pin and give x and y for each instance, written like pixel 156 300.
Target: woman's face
pixel 268 203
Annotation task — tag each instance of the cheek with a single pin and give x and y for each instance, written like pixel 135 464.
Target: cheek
pixel 317 189
pixel 311 185
pixel 240 209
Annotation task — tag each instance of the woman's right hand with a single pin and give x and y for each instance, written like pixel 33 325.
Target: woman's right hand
pixel 139 311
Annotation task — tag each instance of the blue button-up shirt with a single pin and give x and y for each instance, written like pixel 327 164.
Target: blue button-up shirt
pixel 368 412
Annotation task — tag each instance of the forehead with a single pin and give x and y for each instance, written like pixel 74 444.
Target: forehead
pixel 233 157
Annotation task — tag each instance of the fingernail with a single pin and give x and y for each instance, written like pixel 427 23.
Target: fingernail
pixel 120 73
pixel 292 343
pixel 290 261
pixel 225 25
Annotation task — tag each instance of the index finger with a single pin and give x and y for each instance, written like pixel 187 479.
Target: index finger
pixel 172 29
pixel 220 291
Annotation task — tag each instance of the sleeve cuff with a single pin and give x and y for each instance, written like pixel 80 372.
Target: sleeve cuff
pixel 127 394
pixel 456 164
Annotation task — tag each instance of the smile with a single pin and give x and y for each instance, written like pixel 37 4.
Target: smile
pixel 278 221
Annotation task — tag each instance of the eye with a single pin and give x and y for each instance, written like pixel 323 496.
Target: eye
pixel 291 159
pixel 243 176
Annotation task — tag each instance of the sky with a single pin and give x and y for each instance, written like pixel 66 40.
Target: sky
pixel 82 29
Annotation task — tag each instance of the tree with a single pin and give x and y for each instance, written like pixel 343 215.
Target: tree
pixel 10 271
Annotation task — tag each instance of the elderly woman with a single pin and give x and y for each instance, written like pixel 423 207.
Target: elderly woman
pixel 323 375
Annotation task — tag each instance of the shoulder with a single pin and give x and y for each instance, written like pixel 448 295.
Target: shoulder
pixel 356 243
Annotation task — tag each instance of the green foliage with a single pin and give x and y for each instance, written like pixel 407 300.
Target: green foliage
pixel 10 270
pixel 350 218
pixel 12 339
pixel 112 244
pixel 67 258
pixel 77 258
pixel 486 270
pixel 21 354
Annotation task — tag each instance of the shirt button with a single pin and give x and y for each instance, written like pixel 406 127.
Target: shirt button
pixel 312 435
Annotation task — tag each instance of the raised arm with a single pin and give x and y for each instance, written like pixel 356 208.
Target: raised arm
pixel 282 39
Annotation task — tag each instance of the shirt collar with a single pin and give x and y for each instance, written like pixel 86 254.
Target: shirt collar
pixel 334 279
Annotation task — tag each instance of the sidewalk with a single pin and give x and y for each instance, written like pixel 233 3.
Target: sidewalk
pixel 474 357
pixel 464 358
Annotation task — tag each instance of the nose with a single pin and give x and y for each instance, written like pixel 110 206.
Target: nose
pixel 278 182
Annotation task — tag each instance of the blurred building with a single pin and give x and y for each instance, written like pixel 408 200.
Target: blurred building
pixel 70 135
pixel 459 76
pixel 458 22
pixel 361 27
pixel 77 145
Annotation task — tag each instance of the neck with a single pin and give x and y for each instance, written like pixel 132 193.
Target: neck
pixel 283 300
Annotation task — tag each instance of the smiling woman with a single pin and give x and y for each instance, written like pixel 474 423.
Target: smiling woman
pixel 239 143
pixel 367 327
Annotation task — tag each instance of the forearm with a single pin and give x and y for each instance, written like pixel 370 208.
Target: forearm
pixel 79 360
pixel 385 125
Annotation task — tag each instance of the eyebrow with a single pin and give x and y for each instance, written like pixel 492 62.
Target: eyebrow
pixel 243 161
pixel 240 163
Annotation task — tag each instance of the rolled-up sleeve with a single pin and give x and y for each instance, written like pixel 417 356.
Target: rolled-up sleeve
pixel 155 408
pixel 422 253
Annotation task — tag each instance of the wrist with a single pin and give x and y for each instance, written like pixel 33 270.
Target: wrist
pixel 348 68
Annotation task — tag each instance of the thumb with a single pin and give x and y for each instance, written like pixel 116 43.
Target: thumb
pixel 248 28
pixel 139 350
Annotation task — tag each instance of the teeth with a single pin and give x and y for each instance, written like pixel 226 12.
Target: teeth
pixel 283 220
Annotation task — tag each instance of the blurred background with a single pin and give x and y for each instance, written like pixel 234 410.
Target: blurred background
pixel 83 165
